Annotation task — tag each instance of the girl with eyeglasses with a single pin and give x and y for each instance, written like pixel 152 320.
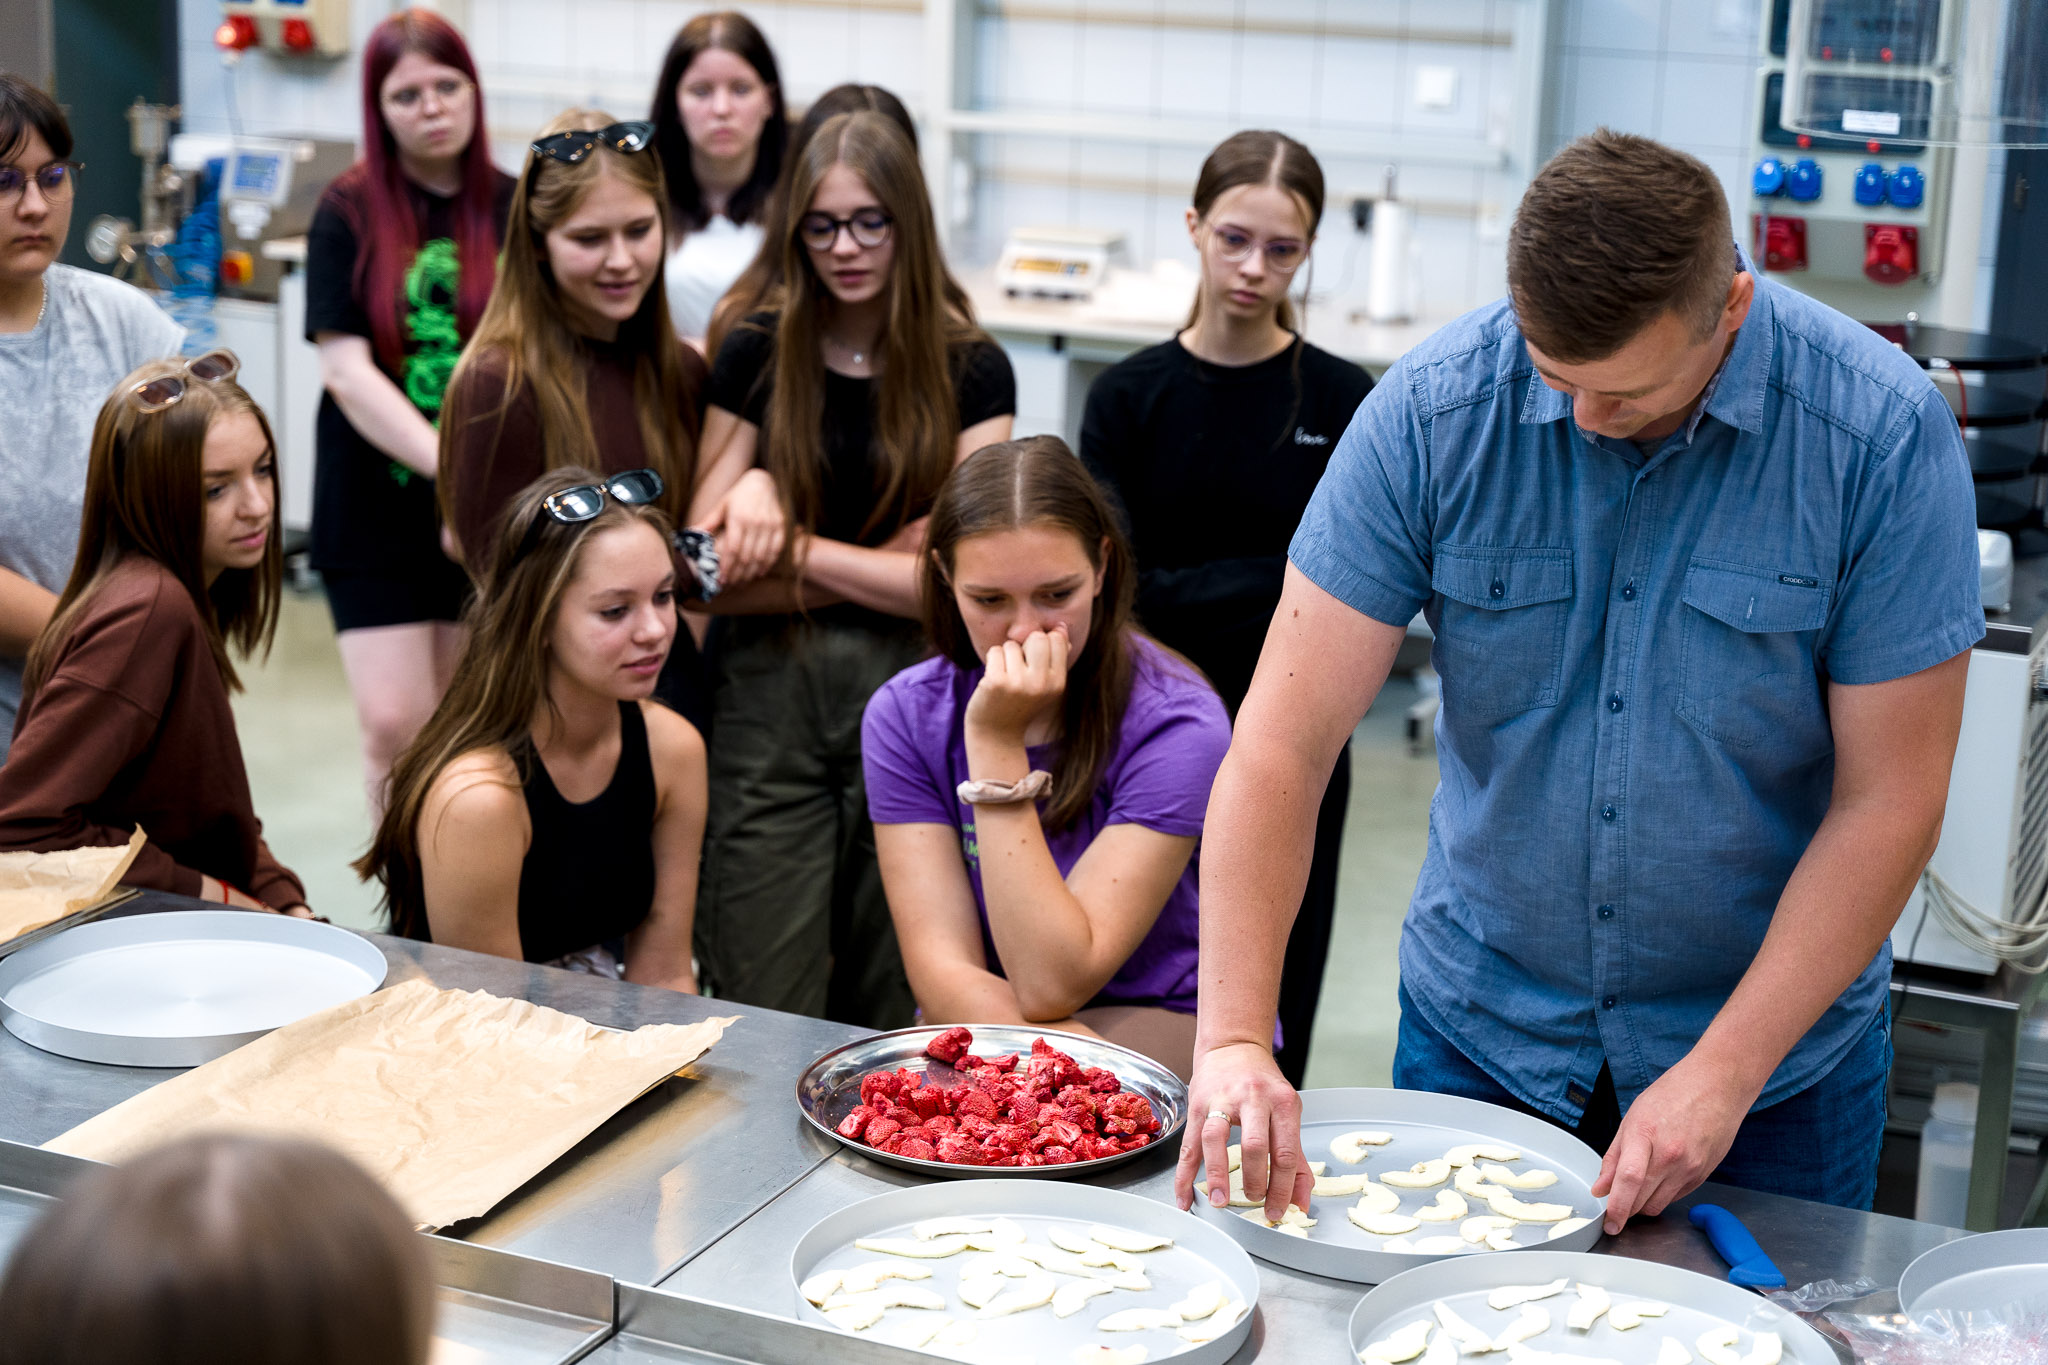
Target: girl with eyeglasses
pixel 124 718
pixel 719 128
pixel 400 260
pixel 550 810
pixel 66 336
pixel 575 362
pixel 1213 442
pixel 1038 786
pixel 835 416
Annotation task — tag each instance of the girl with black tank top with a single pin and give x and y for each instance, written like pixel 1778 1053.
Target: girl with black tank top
pixel 551 810
pixel 1213 442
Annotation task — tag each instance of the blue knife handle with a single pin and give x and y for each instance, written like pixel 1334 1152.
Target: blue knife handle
pixel 1747 1264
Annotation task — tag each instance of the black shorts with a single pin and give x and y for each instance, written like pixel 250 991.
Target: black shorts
pixel 362 601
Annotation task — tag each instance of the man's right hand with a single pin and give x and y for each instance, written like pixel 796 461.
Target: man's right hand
pixel 1241 1084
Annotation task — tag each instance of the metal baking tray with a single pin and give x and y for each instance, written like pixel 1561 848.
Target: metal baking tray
pixel 1696 1303
pixel 121 896
pixel 1198 1254
pixel 830 1088
pixel 182 987
pixel 1988 1271
pixel 493 1305
pixel 1424 1126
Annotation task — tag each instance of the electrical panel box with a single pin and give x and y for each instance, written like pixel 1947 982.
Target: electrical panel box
pixel 1857 216
pixel 293 28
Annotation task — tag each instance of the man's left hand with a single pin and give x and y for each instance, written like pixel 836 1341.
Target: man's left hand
pixel 1673 1137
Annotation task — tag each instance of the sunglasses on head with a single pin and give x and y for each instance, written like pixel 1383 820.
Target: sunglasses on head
pixel 583 501
pixel 154 395
pixel 578 143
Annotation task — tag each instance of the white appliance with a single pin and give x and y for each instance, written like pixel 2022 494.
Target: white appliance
pixel 1055 263
pixel 1984 897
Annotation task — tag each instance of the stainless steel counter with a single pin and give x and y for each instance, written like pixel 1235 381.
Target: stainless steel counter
pixel 665 1178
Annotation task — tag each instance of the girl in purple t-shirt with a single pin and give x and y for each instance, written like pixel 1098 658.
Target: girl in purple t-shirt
pixel 1038 787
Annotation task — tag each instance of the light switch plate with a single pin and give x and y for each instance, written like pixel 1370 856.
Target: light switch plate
pixel 1436 87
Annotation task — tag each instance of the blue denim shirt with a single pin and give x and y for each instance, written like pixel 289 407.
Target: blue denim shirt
pixel 1635 651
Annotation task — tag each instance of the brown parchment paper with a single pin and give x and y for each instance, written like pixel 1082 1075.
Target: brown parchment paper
pixel 453 1099
pixel 39 888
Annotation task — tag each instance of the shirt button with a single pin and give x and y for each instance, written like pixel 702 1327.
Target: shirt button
pixel 1606 1002
pixel 1614 701
pixel 1628 591
pixel 1606 912
pixel 1499 589
pixel 1607 813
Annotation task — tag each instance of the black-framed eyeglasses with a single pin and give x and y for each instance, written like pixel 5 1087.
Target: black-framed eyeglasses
pixel 577 144
pixel 154 395
pixel 869 227
pixel 583 501
pixel 56 179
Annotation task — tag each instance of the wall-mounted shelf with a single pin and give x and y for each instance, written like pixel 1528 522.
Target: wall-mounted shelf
pixel 1413 147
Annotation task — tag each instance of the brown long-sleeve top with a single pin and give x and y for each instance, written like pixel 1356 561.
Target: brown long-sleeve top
pixel 132 727
pixel 493 460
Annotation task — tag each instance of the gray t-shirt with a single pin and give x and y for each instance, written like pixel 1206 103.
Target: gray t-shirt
pixel 56 376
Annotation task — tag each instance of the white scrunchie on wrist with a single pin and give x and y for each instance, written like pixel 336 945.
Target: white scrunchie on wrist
pixel 988 793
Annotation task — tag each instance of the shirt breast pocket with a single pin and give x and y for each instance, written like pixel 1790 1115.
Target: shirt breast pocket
pixel 1500 629
pixel 1747 674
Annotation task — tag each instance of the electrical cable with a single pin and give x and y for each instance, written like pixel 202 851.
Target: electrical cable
pixel 2012 941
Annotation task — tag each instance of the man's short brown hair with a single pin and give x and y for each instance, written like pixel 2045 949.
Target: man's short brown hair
pixel 1614 231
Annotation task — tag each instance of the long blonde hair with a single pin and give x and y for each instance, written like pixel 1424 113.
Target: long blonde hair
pixel 525 332
pixel 143 499
pixel 501 680
pixel 917 418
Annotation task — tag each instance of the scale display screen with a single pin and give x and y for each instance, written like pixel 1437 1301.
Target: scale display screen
pixel 256 175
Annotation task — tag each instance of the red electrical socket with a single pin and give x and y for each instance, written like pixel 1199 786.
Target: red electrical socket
pixel 297 35
pixel 236 32
pixel 1891 252
pixel 1780 241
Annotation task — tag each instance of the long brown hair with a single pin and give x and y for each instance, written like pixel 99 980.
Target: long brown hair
pixel 763 275
pixel 221 1250
pixel 143 497
pixel 501 680
pixel 917 418
pixel 729 31
pixel 525 333
pixel 1262 157
pixel 1037 481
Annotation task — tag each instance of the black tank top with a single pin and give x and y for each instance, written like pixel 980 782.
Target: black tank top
pixel 588 877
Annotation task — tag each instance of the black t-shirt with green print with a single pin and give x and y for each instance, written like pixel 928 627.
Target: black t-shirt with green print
pixel 371 514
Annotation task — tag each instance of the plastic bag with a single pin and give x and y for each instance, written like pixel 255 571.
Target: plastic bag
pixel 1811 1298
pixel 2016 1334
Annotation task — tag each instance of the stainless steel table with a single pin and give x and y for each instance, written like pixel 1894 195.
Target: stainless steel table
pixel 665 1178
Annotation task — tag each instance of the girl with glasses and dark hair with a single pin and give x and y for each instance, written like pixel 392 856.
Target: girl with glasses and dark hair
pixel 1213 442
pixel 575 362
pixel 550 810
pixel 221 1250
pixel 124 718
pixel 66 335
pixel 400 260
pixel 719 127
pixel 1038 786
pixel 835 415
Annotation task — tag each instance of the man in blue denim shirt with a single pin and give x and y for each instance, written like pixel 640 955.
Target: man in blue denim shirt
pixel 1700 556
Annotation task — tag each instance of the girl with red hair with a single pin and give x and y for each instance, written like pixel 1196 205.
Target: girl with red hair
pixel 399 264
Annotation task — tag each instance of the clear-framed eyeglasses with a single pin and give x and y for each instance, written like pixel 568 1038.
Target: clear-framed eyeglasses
pixel 55 179
pixel 1284 255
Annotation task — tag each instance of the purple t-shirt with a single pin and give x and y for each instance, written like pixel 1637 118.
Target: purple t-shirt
pixel 914 748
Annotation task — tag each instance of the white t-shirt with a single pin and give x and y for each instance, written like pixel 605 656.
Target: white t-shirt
pixel 56 377
pixel 704 267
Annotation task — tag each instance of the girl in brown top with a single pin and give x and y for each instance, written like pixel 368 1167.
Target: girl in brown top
pixel 124 719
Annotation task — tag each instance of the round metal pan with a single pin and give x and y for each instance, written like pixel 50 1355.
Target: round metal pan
pixel 182 987
pixel 1696 1303
pixel 1198 1254
pixel 1974 1274
pixel 1424 1126
pixel 829 1089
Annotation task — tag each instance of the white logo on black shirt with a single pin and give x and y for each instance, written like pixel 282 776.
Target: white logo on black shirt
pixel 1304 438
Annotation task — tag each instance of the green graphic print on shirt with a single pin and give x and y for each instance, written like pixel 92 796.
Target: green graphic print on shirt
pixel 430 321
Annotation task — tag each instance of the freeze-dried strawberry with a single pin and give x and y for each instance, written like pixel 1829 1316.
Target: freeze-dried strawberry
pixel 1101 1080
pixel 1006 1062
pixel 940 1123
pixel 958 1149
pixel 1013 1136
pixel 970 1062
pixel 878 1085
pixel 1057 1156
pixel 851 1125
pixel 976 1127
pixel 1065 1132
pixel 927 1103
pixel 950 1046
pixel 976 1103
pixel 879 1131
pixel 918 1148
pixel 1024 1110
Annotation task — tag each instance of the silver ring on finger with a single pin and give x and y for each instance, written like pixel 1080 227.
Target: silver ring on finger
pixel 1218 1114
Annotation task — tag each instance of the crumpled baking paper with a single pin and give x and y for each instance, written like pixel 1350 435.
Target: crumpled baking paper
pixel 40 888
pixel 454 1099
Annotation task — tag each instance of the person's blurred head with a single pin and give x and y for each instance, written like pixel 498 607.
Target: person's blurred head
pixel 719 100
pixel 36 179
pixel 221 1250
pixel 182 470
pixel 1253 220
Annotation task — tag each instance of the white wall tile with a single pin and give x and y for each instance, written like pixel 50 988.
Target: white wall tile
pixel 814 51
pixel 1613 91
pixel 1359 85
pixel 536 34
pixel 1118 68
pixel 1467 116
pixel 1039 67
pixel 1704 104
pixel 1626 25
pixel 890 53
pixel 1714 28
pixel 1197 74
pixel 1276 81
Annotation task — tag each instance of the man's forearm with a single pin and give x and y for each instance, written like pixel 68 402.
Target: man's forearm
pixel 1841 902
